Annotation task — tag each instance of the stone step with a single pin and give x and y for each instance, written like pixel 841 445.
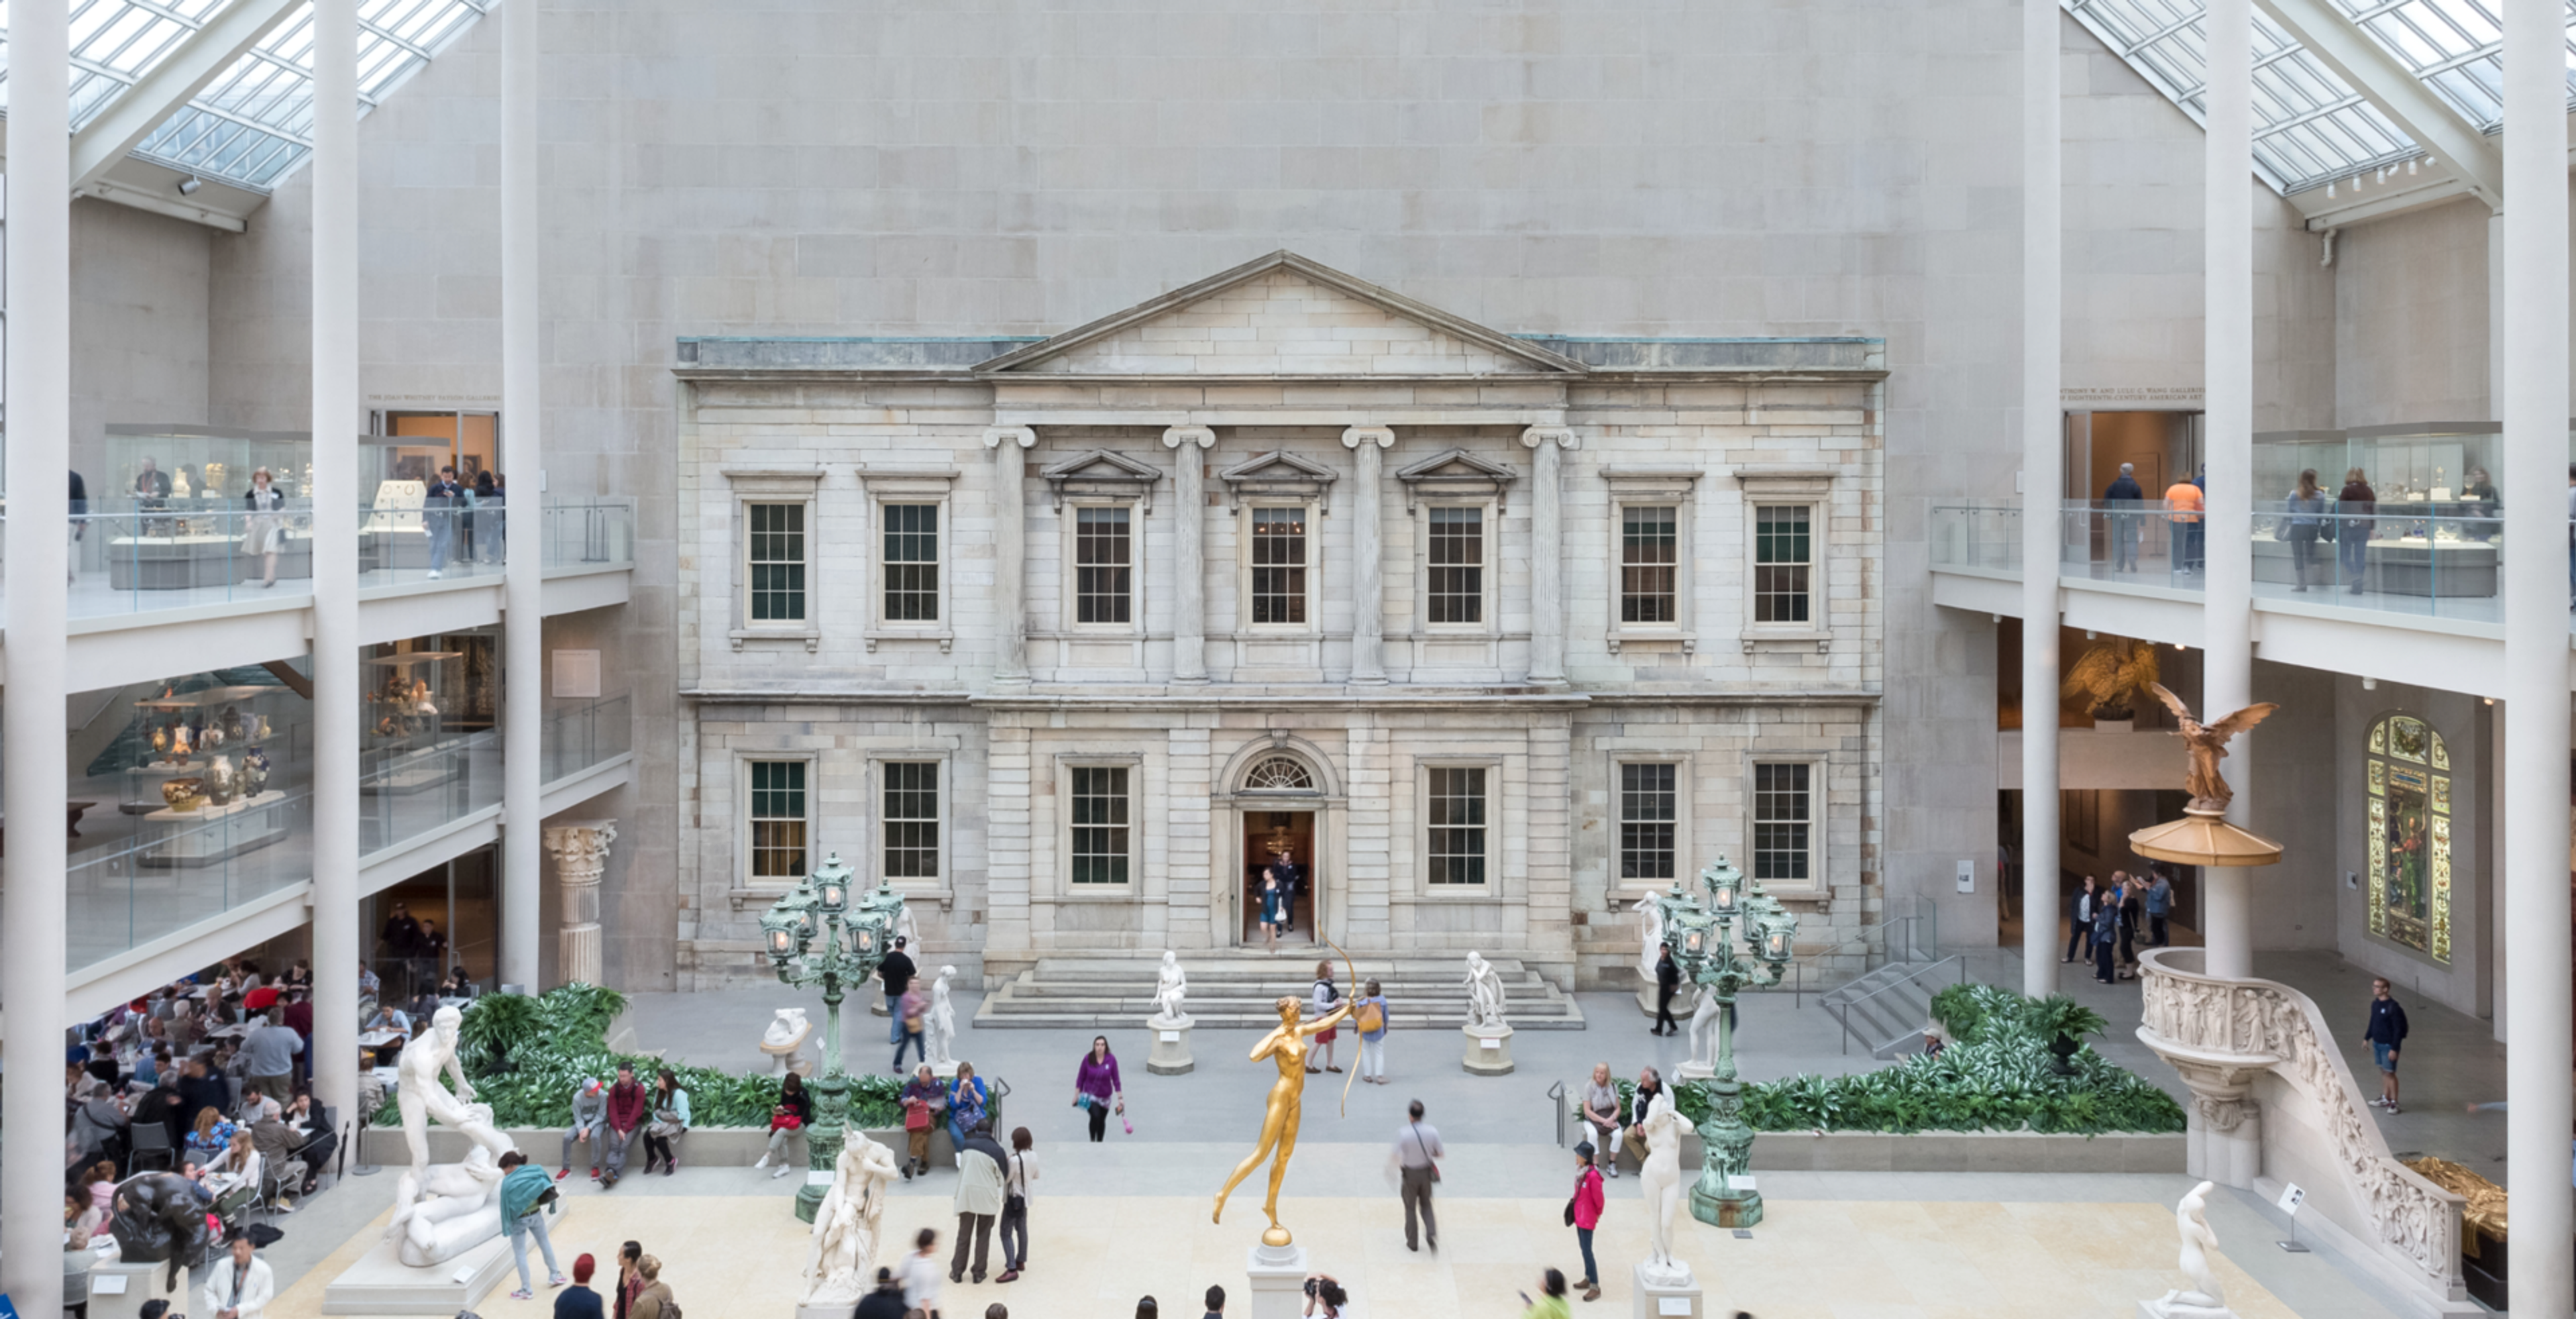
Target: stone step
pixel 1241 993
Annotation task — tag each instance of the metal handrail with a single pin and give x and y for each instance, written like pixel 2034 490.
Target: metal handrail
pixel 1843 1011
pixel 1556 1098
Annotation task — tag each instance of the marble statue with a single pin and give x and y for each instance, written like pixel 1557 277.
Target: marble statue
pixel 1484 993
pixel 2203 1300
pixel 905 930
pixel 1171 984
pixel 939 1024
pixel 1661 1181
pixel 1703 1029
pixel 1650 922
pixel 422 1097
pixel 784 1040
pixel 846 1225
pixel 2207 745
pixel 445 1211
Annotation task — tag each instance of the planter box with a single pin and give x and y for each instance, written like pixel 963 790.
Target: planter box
pixel 1967 1151
pixel 720 1147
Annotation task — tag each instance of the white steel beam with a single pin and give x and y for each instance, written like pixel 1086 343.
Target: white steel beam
pixel 2227 352
pixel 2395 91
pixel 200 58
pixel 522 439
pixel 2043 458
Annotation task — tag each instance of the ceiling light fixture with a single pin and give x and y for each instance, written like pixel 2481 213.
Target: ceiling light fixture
pixel 2370 684
pixel 2330 191
pixel 189 185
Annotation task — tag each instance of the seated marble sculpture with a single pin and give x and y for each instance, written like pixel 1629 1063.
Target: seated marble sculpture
pixel 448 1210
pixel 784 1040
pixel 847 1224
pixel 1171 985
pixel 159 1217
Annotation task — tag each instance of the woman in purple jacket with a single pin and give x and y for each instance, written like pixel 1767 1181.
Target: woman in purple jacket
pixel 1096 1089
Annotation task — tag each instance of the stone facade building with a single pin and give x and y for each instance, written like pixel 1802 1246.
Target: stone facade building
pixel 1066 637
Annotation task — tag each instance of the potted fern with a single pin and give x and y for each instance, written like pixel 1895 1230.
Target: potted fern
pixel 2064 1023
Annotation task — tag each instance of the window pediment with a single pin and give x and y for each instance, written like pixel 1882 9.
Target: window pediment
pixel 1101 472
pixel 1278 474
pixel 1456 474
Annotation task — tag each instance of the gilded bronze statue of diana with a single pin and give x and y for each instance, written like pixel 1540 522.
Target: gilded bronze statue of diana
pixel 1286 1047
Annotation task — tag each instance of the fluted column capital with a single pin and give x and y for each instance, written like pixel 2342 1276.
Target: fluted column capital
pixel 1381 436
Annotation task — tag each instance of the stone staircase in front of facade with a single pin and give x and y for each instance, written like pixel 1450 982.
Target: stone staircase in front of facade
pixel 1241 992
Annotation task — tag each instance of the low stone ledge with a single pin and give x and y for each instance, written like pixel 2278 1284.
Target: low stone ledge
pixel 710 1146
pixel 1968 1151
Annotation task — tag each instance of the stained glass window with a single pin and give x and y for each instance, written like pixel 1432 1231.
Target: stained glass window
pixel 2409 808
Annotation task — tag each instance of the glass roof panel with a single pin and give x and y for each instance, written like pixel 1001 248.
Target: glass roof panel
pixel 2452 45
pixel 252 125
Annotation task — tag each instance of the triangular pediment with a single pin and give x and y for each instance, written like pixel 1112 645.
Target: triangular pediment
pixel 1102 472
pixel 1277 473
pixel 1282 315
pixel 1455 472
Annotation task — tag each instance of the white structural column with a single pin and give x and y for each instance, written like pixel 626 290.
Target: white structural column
pixel 1189 546
pixel 2227 528
pixel 2043 457
pixel 335 561
pixel 1010 556
pixel 523 635
pixel 1547 554
pixel 2537 1056
pixel 1368 445
pixel 580 849
pixel 39 457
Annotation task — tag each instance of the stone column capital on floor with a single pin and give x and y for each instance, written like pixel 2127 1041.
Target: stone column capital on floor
pixel 580 849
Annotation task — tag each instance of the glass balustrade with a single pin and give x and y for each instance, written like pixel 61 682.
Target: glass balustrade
pixel 578 737
pixel 1977 535
pixel 590 533
pixel 2138 542
pixel 2432 560
pixel 405 794
pixel 193 860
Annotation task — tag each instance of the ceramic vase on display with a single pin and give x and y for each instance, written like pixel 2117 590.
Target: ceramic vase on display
pixel 160 741
pixel 219 781
pixel 183 795
pixel 231 723
pixel 254 772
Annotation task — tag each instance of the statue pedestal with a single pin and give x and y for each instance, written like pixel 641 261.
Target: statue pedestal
pixel 1171 1055
pixel 1278 1275
pixel 946 1071
pixel 827 1309
pixel 1695 1071
pixel 1489 1050
pixel 2171 1306
pixel 141 1282
pixel 381 1284
pixel 1659 1295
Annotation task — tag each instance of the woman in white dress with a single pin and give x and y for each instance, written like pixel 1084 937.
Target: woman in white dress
pixel 266 534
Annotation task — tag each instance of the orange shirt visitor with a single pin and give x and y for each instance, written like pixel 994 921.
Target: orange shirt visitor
pixel 2184 499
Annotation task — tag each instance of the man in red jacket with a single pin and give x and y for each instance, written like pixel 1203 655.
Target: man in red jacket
pixel 627 1107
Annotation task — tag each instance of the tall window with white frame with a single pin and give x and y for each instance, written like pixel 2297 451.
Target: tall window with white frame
pixel 1649 563
pixel 1278 566
pixel 1783 558
pixel 1104 562
pixel 911 563
pixel 1101 838
pixel 1784 822
pixel 1454 590
pixel 778 820
pixel 1649 806
pixel 1454 800
pixel 774 550
pixel 911 819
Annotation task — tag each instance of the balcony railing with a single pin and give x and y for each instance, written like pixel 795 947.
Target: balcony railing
pixel 578 737
pixel 2141 542
pixel 185 867
pixel 2432 560
pixel 404 794
pixel 1975 535
pixel 591 533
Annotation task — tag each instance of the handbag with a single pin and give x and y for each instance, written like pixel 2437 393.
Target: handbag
pixel 916 1116
pixel 1372 1019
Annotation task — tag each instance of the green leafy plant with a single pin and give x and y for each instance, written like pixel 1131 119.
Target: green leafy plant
pixel 2058 1017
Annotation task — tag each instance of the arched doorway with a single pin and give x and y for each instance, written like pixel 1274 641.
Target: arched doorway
pixel 1281 817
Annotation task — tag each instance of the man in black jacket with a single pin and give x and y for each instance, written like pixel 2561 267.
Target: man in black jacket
pixel 199 1089
pixel 2122 498
pixel 1668 980
pixel 886 1302
pixel 897 971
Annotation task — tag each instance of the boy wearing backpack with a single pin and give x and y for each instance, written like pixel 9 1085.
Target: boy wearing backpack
pixel 1371 1020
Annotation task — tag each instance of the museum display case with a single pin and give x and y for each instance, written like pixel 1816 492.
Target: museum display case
pixel 212 750
pixel 2431 532
pixel 168 513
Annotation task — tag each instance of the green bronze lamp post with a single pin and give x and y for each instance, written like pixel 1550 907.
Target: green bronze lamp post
pixel 815 936
pixel 1739 938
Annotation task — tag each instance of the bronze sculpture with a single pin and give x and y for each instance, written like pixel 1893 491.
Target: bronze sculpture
pixel 2111 675
pixel 1285 1046
pixel 159 1217
pixel 2208 745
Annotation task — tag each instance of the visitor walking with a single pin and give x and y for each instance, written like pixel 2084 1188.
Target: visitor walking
pixel 2305 514
pixel 924 1099
pixel 1668 982
pixel 1321 999
pixel 2354 507
pixel 241 1285
pixel 922 1275
pixel 896 971
pixel 2122 497
pixel 2124 902
pixel 628 1106
pixel 1023 1170
pixel 266 533
pixel 653 1297
pixel 978 1201
pixel 886 1302
pixel 1096 1089
pixel 1601 1113
pixel 578 1301
pixel 2159 904
pixel 2387 1030
pixel 970 1101
pixel 1583 1212
pixel 787 1120
pixel 525 1192
pixel 670 1122
pixel 443 497
pixel 1369 1015
pixel 2106 938
pixel 1274 894
pixel 629 1282
pixel 1551 1298
pixel 1417 1156
pixel 2080 929
pixel 1215 1299
pixel 911 1011
pixel 2482 507
pixel 589 1110
pixel 2184 500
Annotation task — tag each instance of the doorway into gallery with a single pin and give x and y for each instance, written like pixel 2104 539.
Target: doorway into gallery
pixel 1279 805
pixel 1281 841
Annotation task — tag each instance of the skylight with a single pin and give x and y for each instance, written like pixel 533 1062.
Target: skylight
pixel 252 125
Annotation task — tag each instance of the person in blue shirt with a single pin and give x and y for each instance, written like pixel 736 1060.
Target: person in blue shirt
pixel 2123 496
pixel 2159 906
pixel 2386 1032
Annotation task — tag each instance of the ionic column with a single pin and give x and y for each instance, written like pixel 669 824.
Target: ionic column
pixel 1010 557
pixel 1547 555
pixel 1368 589
pixel 580 850
pixel 1189 530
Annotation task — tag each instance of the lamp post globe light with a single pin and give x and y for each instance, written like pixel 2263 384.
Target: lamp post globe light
pixel 1739 937
pixel 816 936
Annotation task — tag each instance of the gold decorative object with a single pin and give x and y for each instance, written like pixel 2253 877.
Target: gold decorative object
pixel 2203 837
pixel 2208 746
pixel 183 795
pixel 2113 673
pixel 1285 1047
pixel 2486 1207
